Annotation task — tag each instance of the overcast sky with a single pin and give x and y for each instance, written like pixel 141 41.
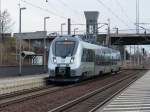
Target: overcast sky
pixel 122 13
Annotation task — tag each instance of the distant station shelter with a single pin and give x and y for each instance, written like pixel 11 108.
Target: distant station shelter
pixel 35 39
pixel 33 42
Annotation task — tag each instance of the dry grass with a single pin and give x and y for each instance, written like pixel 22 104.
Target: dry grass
pixel 8 51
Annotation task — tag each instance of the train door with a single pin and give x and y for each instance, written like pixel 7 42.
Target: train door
pixel 99 62
pixel 107 61
pixel 94 60
pixel 87 62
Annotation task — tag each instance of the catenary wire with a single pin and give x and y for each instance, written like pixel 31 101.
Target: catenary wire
pixel 69 7
pixel 109 9
pixel 44 9
pixel 123 11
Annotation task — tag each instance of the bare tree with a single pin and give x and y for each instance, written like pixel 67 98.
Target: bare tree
pixel 5 27
pixel 5 22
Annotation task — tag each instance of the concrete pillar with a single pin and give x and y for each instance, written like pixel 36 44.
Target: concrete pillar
pixel 124 58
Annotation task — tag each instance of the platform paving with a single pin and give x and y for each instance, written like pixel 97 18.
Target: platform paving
pixel 135 98
pixel 14 84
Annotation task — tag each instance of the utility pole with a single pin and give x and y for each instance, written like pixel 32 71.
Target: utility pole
pixel 124 55
pixel 1 59
pixel 69 26
pixel 20 40
pixel 134 57
pixel 137 16
pixel 45 18
pixel 138 56
pixel 130 57
pixel 108 38
pixel 0 20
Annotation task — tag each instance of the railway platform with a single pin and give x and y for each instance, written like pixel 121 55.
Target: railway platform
pixel 135 98
pixel 14 84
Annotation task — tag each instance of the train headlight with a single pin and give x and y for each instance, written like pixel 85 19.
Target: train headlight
pixel 51 73
pixel 72 60
pixel 54 60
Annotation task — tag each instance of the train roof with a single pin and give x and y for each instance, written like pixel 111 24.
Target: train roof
pixel 85 44
pixel 102 48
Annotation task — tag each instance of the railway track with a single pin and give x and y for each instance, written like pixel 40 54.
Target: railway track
pixel 15 97
pixel 52 89
pixel 89 102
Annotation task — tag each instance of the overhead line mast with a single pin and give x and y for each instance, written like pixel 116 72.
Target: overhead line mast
pixel 137 16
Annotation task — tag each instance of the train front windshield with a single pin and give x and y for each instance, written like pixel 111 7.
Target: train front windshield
pixel 64 48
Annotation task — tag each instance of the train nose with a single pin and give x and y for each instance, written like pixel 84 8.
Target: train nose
pixel 65 61
pixel 62 71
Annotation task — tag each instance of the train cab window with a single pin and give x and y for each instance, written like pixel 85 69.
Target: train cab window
pixel 64 48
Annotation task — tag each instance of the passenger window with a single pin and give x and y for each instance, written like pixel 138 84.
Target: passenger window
pixel 88 55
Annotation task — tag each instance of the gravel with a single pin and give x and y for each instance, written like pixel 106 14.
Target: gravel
pixel 49 101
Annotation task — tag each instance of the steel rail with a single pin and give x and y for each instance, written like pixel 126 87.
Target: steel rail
pixel 22 96
pixel 88 95
pixel 112 96
pixel 20 92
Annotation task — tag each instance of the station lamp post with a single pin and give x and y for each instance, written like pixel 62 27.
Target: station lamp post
pixel 0 20
pixel 45 18
pixel 108 31
pixel 20 40
pixel 75 29
pixel 62 28
pixel 117 30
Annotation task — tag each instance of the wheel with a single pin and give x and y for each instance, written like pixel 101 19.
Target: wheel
pixel 112 71
pixel 100 73
pixel 119 68
pixel 116 72
pixel 82 77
